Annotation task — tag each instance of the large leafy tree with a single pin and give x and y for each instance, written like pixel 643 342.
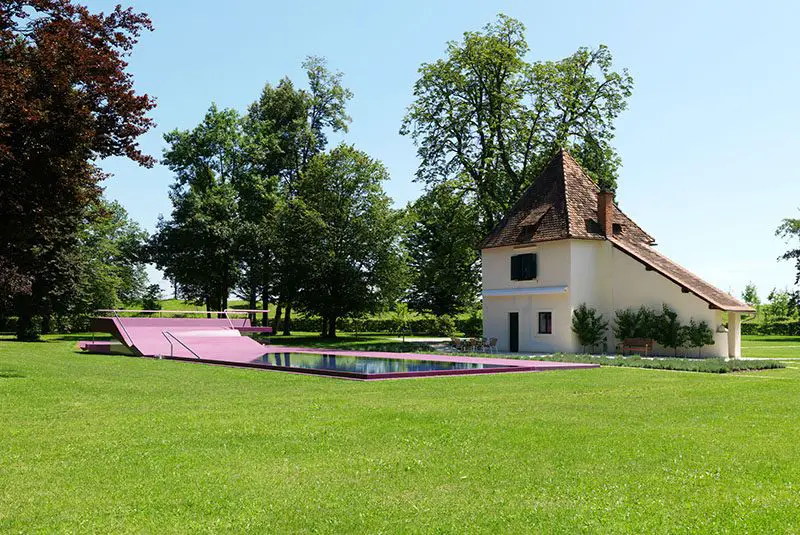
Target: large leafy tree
pixel 65 101
pixel 197 246
pixel 487 115
pixel 112 259
pixel 351 237
pixel 441 239
pixel 287 126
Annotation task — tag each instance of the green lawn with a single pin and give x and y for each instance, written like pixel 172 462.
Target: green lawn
pixel 771 346
pixel 93 443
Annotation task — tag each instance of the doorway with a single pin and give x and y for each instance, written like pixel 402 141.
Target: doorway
pixel 513 332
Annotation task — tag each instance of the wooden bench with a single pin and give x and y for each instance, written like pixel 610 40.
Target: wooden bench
pixel 638 345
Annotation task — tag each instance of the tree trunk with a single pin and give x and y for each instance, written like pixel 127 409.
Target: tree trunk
pixel 47 322
pixel 287 321
pixel 264 301
pixel 207 299
pixel 332 327
pixel 252 305
pixel 276 321
pixel 324 332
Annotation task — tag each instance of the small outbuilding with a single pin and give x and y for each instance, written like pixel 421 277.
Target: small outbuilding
pixel 564 243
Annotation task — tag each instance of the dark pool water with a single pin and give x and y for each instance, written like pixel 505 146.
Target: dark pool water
pixel 365 365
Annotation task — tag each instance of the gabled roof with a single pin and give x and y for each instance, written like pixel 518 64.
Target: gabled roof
pixel 562 204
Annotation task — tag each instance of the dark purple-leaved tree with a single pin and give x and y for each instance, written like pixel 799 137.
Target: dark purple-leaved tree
pixel 66 100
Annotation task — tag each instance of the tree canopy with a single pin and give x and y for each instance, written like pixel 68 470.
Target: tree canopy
pixel 442 235
pixel 486 115
pixel 351 240
pixel 66 100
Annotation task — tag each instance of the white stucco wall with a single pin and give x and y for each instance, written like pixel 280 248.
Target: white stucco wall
pixel 552 270
pixel 596 274
pixel 633 286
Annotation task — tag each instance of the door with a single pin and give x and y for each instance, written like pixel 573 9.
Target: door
pixel 513 332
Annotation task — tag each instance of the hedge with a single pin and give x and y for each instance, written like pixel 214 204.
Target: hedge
pixel 432 325
pixel 783 328
pixel 471 326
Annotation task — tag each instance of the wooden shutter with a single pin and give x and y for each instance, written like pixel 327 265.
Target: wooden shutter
pixel 516 268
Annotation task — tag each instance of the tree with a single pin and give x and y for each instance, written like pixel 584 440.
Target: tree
pixel 151 300
pixel 401 318
pixel 778 307
pixel 352 251
pixel 790 229
pixel 441 238
pixel 112 259
pixel 626 324
pixel 485 114
pixel 65 101
pixel 698 335
pixel 588 326
pixel 197 246
pixel 669 332
pixel 285 129
pixel 750 295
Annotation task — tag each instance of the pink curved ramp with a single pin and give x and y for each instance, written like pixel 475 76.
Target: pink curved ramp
pixel 181 337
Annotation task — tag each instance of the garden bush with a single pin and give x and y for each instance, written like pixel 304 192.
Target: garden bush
pixel 588 326
pixel 444 326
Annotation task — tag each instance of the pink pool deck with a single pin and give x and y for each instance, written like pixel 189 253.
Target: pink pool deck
pixel 220 342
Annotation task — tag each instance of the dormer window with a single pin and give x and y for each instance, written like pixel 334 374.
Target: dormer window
pixel 523 267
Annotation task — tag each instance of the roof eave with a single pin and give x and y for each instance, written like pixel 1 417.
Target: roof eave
pixel 711 302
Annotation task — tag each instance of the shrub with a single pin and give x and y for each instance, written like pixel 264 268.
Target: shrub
pixel 625 324
pixel 715 365
pixel 698 335
pixel 669 332
pixel 646 323
pixel 588 326
pixel 471 326
pixel 30 331
pixel 152 298
pixel 444 326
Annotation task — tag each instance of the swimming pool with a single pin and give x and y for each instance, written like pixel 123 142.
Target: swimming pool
pixel 356 365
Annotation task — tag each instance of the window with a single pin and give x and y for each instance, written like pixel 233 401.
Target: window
pixel 523 267
pixel 545 323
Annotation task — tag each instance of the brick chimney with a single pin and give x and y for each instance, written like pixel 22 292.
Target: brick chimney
pixel 605 211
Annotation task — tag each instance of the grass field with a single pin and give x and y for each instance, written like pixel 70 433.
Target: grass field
pixel 95 443
pixel 776 347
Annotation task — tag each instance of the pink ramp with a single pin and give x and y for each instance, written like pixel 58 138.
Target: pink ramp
pixel 181 337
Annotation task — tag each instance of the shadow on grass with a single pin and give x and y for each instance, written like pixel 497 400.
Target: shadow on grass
pixel 10 374
pixel 770 339
pixel 78 336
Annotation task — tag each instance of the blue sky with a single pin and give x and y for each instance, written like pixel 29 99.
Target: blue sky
pixel 707 144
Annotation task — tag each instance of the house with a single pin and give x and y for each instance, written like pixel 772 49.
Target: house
pixel 564 243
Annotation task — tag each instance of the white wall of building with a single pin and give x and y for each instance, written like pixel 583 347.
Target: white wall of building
pixel 595 273
pixel 552 270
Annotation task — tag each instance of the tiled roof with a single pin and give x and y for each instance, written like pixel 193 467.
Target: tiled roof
pixel 562 204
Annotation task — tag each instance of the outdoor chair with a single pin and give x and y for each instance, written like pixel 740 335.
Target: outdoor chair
pixel 491 345
pixel 457 343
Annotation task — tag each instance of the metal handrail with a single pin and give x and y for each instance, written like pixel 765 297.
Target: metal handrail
pixel 138 311
pixel 121 325
pixel 167 335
